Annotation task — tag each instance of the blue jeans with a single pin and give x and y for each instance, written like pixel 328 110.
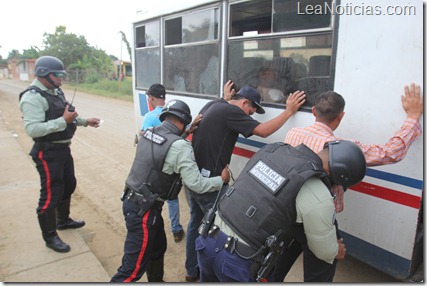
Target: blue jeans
pixel 219 265
pixel 199 205
pixel 173 206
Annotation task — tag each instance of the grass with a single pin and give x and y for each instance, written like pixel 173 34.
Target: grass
pixel 109 88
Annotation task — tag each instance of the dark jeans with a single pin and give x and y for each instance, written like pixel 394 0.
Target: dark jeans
pixel 219 265
pixel 199 205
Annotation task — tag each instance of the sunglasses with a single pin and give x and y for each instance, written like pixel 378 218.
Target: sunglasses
pixel 58 74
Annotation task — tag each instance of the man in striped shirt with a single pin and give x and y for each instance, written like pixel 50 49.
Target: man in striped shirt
pixel 328 111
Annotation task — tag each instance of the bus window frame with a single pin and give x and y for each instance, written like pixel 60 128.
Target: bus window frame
pixel 332 29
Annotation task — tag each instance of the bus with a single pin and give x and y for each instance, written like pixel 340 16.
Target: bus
pixel 365 50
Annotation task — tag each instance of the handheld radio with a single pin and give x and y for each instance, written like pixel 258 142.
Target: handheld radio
pixel 71 108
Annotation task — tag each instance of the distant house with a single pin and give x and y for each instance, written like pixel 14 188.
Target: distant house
pixel 123 69
pixel 22 69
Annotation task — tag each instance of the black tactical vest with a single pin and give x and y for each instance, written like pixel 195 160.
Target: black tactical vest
pixel 56 109
pixel 150 157
pixel 262 200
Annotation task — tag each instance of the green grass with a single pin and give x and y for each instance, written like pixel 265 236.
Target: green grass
pixel 109 88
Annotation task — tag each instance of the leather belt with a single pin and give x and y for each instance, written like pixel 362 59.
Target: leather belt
pixel 233 245
pixel 44 145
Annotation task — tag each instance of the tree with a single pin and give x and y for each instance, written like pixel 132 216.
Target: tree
pixel 127 44
pixel 68 47
pixel 32 53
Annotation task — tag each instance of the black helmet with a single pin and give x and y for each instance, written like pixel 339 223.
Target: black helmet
pixel 178 108
pixel 347 163
pixel 47 64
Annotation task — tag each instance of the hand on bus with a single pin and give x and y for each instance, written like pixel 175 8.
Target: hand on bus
pixel 294 101
pixel 225 175
pixel 229 90
pixel 412 101
pixel 69 116
pixel 341 249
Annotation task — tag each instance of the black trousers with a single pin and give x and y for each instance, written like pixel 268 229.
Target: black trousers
pixel 145 241
pixel 55 166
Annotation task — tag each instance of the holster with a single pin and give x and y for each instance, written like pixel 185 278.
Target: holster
pixel 175 189
pixel 143 198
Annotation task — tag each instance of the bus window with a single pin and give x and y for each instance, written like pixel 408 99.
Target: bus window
pixel 147 52
pixel 279 63
pixel 287 17
pixel 191 56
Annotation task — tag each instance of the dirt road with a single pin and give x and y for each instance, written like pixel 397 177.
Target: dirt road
pixel 103 157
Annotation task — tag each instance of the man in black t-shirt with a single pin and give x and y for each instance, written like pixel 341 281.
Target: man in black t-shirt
pixel 213 143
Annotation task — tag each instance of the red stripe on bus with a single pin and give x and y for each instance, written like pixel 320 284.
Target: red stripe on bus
pixel 388 194
pixel 243 152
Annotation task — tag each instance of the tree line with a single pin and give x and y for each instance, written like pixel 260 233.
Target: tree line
pixel 91 63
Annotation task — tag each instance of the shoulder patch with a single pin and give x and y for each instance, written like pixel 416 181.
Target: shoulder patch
pixel 154 137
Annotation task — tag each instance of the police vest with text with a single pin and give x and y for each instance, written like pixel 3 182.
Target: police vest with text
pixel 150 157
pixel 57 104
pixel 262 200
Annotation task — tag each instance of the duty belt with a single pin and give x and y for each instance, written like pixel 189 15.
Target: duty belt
pixel 135 197
pixel 233 245
pixel 44 145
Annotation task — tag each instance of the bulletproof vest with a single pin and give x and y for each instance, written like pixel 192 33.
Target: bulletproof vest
pixel 56 109
pixel 150 157
pixel 262 200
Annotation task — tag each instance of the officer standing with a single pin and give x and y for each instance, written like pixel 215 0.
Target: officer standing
pixel 51 121
pixel 283 194
pixel 162 158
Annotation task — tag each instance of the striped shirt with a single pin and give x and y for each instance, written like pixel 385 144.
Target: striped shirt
pixel 393 151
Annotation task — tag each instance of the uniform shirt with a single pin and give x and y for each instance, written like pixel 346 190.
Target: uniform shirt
pixel 393 151
pixel 33 107
pixel 180 160
pixel 151 119
pixel 217 134
pixel 316 211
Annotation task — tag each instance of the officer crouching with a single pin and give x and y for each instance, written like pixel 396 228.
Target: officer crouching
pixel 282 194
pixel 162 159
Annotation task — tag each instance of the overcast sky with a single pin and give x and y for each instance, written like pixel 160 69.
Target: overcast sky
pixel 23 22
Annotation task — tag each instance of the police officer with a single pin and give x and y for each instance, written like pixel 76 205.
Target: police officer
pixel 51 124
pixel 283 194
pixel 162 158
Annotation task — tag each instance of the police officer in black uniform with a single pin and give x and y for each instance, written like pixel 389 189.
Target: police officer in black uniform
pixel 162 159
pixel 282 194
pixel 51 121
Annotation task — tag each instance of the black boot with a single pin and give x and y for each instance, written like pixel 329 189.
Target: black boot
pixel 47 221
pixel 63 215
pixel 155 270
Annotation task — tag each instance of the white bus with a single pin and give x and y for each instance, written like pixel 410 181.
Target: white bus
pixel 365 50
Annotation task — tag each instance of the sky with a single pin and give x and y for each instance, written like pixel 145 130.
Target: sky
pixel 23 22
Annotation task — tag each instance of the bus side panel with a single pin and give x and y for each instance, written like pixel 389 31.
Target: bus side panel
pixel 376 57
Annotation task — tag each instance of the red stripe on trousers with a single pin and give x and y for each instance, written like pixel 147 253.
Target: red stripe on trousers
pixel 48 182
pixel 143 247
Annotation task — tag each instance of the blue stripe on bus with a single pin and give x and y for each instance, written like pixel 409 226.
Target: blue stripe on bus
pixel 401 180
pixel 417 184
pixel 377 257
